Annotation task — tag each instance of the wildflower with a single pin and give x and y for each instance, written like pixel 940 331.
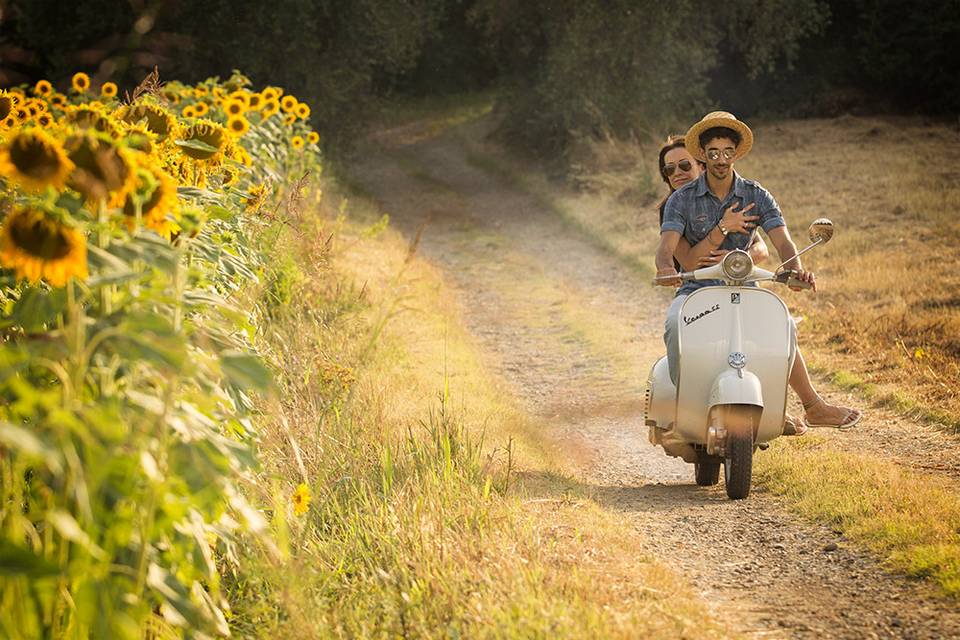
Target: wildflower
pixel 43 88
pixel 33 160
pixel 108 90
pixel 313 137
pixel 80 82
pixel 301 499
pixel 37 246
pixel 919 353
pixel 296 142
pixel 238 125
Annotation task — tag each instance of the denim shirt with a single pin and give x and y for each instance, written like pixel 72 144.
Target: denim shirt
pixel 693 210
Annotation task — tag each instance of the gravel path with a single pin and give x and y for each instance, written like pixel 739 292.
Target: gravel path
pixel 574 332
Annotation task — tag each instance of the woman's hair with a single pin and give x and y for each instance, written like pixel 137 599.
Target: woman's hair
pixel 673 142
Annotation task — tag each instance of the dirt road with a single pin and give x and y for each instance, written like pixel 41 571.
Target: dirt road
pixel 574 332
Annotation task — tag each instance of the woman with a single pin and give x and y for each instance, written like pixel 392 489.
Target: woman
pixel 677 168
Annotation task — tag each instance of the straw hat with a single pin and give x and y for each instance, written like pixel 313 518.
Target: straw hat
pixel 718 119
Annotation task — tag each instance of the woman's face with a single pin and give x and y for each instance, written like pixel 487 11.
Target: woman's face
pixel 685 168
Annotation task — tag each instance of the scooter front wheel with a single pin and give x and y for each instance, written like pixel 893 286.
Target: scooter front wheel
pixel 738 465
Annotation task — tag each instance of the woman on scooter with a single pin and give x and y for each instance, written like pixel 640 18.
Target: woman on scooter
pixel 677 168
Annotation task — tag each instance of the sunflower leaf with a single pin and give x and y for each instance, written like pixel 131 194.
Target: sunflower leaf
pixel 196 145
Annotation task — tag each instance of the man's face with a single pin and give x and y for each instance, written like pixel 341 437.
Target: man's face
pixel 720 153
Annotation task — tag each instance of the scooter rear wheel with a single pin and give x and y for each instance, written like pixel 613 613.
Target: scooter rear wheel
pixel 706 473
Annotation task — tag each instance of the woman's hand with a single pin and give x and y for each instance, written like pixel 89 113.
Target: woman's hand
pixel 737 221
pixel 667 277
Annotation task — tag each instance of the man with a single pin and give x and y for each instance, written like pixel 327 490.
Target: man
pixel 696 212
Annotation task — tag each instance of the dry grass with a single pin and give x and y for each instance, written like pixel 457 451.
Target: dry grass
pixel 420 525
pixel 911 520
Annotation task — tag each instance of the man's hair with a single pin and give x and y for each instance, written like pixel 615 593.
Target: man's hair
pixel 719 132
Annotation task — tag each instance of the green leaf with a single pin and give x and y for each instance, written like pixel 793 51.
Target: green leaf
pixel 70 529
pixel 245 370
pixel 17 561
pixel 197 145
pixel 26 443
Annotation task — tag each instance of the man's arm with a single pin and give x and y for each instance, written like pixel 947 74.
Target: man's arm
pixel 783 243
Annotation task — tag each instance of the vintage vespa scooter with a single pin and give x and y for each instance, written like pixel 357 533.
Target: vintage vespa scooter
pixel 736 352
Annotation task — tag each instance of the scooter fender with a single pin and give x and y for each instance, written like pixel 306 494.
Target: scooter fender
pixel 736 387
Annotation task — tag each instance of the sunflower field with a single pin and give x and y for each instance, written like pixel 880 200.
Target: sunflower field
pixel 127 369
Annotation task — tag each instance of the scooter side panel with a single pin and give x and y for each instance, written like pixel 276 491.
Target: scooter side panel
pixel 707 337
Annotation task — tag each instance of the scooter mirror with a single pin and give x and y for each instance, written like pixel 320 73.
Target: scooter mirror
pixel 821 230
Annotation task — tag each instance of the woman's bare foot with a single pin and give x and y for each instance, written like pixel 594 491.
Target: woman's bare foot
pixel 821 414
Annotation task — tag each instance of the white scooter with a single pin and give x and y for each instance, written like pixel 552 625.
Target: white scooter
pixel 736 352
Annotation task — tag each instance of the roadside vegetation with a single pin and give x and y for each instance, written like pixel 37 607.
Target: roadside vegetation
pixel 882 326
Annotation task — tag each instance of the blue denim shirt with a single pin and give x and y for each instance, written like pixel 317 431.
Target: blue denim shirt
pixel 693 210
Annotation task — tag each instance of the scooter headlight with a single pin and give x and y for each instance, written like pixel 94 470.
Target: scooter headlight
pixel 737 265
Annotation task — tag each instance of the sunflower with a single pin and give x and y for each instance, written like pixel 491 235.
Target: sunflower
pixel 272 93
pixel 241 97
pixel 207 133
pixel 104 171
pixel 256 196
pixel 301 500
pixel 254 101
pixel 189 111
pixel 108 90
pixel 201 109
pixel 9 122
pixel 303 111
pixel 33 159
pixel 43 88
pixel 171 95
pixel 238 125
pixel 313 137
pixel 289 119
pixel 7 105
pixel 288 103
pixel 38 246
pixel 296 142
pixel 88 116
pixel 80 82
pixel 58 100
pixel 228 176
pixel 45 120
pixel 270 107
pixel 156 192
pixel 158 119
pixel 200 91
pixel 234 108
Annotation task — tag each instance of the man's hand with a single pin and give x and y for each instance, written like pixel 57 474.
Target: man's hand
pixel 712 258
pixel 737 221
pixel 805 276
pixel 664 279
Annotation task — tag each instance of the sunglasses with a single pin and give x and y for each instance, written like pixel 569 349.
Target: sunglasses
pixel 714 154
pixel 684 165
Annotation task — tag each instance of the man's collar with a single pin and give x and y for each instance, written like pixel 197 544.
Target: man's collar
pixel 702 187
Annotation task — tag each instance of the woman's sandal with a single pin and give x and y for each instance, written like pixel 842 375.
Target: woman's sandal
pixel 843 425
pixel 793 427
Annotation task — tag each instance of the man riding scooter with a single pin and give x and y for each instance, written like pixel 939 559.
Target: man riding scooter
pixel 695 212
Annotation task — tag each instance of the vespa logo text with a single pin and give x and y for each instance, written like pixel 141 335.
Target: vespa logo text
pixel 687 320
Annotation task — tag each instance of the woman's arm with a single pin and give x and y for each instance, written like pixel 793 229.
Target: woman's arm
pixel 734 221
